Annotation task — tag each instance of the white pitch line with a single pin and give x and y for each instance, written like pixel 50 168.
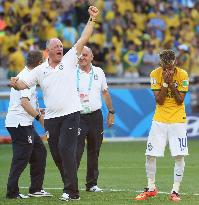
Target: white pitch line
pixel 115 190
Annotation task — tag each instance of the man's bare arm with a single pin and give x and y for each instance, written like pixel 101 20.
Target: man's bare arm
pixel 179 97
pixel 17 84
pixel 25 103
pixel 88 30
pixel 161 95
pixel 108 101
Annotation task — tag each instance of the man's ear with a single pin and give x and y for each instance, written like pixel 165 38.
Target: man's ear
pixel 92 56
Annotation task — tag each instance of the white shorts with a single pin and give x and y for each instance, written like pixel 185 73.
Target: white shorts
pixel 161 133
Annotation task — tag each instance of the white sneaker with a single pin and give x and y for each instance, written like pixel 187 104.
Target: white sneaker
pixel 41 193
pixel 22 196
pixel 66 197
pixel 95 189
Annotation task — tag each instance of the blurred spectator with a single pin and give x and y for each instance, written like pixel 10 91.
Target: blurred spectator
pixel 158 24
pixel 99 55
pixel 186 33
pixel 132 59
pixel 139 17
pixel 3 23
pixel 183 57
pixel 165 24
pixel 81 14
pixel 195 61
pixel 149 61
pixel 69 34
pixel 98 36
pixel 113 63
pixel 47 29
pixel 132 33
pixel 16 61
pixel 118 43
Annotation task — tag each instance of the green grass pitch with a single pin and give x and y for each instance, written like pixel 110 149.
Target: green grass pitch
pixel 122 176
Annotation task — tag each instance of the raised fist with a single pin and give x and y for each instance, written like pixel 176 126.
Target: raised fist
pixel 93 11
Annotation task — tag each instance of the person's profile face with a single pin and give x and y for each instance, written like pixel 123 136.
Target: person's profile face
pixel 55 50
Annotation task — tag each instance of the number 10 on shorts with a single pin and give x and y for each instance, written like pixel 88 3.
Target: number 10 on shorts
pixel 183 143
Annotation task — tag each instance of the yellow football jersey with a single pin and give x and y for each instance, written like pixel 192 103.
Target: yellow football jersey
pixel 170 111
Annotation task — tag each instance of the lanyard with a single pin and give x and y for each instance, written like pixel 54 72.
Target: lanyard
pixel 90 80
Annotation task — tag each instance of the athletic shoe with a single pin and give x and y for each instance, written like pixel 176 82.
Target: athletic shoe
pixel 146 194
pixel 41 193
pixel 174 196
pixel 22 196
pixel 94 189
pixel 67 197
pixel 19 196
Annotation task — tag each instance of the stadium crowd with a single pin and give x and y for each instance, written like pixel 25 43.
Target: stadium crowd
pixel 127 38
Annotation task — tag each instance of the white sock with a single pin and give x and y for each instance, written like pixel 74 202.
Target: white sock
pixel 178 173
pixel 151 171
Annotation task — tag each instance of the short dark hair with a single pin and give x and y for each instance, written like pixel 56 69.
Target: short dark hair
pixel 167 57
pixel 34 58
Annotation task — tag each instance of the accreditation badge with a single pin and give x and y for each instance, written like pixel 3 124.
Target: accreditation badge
pixel 84 98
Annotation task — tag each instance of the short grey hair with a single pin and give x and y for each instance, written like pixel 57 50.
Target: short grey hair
pixel 48 43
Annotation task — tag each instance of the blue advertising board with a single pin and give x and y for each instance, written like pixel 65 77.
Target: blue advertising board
pixel 134 112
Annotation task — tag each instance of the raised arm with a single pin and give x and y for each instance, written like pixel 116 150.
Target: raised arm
pixel 88 30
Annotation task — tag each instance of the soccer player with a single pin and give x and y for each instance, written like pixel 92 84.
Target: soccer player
pixel 169 84
pixel 26 143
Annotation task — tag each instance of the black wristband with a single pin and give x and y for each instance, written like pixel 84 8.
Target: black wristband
pixel 112 111
pixel 91 19
pixel 38 117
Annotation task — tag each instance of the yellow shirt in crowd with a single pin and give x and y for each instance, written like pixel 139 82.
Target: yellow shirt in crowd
pixel 16 61
pixel 170 111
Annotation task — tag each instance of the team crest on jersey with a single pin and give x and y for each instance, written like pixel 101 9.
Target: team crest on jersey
pixel 61 67
pixel 95 77
pixel 153 81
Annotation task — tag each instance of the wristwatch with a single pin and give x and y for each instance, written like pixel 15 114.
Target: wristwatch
pixel 165 85
pixel 38 117
pixel 112 111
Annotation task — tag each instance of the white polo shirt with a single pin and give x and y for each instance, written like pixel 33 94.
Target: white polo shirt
pixel 16 114
pixel 97 84
pixel 58 85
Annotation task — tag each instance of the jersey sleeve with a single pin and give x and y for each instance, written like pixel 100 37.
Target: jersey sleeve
pixel 70 59
pixel 26 93
pixel 104 83
pixel 155 81
pixel 184 82
pixel 32 78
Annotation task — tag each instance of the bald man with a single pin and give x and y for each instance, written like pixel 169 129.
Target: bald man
pixel 57 79
pixel 91 84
